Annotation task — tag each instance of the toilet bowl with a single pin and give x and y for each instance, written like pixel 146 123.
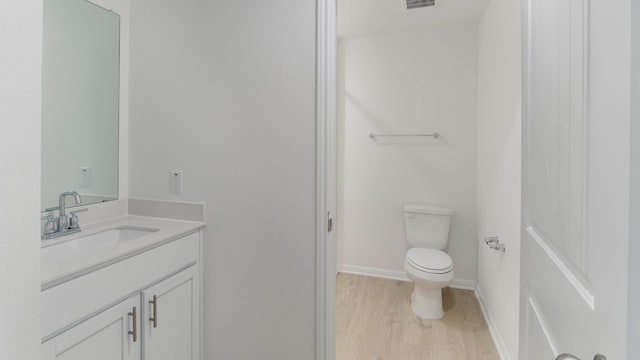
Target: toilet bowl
pixel 426 264
pixel 430 271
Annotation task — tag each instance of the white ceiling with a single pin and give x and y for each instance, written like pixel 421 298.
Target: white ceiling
pixel 377 17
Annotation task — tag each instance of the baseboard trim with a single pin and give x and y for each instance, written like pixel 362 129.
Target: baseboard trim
pixel 464 284
pixel 493 329
pixel 374 272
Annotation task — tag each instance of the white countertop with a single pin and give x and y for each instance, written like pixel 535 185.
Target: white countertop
pixel 62 266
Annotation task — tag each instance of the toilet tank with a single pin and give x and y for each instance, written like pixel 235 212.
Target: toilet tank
pixel 427 225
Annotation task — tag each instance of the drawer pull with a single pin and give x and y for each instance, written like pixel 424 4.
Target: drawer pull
pixel 134 332
pixel 154 318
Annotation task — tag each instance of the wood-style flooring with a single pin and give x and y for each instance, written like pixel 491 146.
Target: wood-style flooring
pixel 375 322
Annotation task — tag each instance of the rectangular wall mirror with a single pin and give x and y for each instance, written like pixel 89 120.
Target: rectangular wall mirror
pixel 80 101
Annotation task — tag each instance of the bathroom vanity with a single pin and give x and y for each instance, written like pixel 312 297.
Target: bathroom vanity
pixel 123 289
pixel 123 286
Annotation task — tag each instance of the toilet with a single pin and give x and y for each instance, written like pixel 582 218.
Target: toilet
pixel 427 265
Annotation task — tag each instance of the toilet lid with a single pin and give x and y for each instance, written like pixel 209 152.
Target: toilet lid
pixel 429 260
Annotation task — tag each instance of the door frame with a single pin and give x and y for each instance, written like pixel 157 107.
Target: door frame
pixel 326 256
pixel 326 96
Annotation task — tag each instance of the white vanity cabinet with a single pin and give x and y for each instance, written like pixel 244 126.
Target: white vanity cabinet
pixel 146 306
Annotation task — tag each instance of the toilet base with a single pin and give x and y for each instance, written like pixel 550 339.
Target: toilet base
pixel 427 303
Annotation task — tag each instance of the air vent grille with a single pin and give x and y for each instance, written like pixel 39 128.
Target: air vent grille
pixel 414 4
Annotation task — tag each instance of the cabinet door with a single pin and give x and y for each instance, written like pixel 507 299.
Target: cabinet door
pixel 104 336
pixel 172 318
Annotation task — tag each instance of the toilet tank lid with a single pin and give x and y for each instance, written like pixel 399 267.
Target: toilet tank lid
pixel 428 209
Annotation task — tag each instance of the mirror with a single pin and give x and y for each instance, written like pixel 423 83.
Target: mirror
pixel 80 101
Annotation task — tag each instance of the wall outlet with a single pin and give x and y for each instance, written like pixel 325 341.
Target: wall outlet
pixel 85 177
pixel 175 181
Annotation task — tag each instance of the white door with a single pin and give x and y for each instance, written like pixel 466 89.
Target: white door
pixel 113 334
pixel 576 179
pixel 171 318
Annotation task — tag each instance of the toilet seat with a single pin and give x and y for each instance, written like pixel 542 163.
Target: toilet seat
pixel 429 260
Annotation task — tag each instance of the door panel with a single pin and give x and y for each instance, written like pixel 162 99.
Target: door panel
pixel 558 294
pixel 102 337
pixel 173 332
pixel 556 133
pixel 572 300
pixel 539 341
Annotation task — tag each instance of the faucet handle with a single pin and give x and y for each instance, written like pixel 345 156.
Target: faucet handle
pixel 49 224
pixel 73 221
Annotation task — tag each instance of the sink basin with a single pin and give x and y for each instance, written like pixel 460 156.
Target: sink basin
pixel 96 242
pixel 114 236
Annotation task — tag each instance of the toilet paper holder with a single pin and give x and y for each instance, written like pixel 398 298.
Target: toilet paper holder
pixel 493 242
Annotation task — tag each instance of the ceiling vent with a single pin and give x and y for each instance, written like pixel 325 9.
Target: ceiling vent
pixel 414 4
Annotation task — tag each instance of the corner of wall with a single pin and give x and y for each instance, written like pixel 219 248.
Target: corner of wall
pixel 633 330
pixel 499 169
pixel 20 91
pixel 501 346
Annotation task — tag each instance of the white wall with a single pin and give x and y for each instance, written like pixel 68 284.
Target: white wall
pixel 225 91
pixel 417 82
pixel 499 141
pixel 20 101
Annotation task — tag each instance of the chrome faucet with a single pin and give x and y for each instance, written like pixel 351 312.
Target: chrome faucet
pixel 63 220
pixel 62 225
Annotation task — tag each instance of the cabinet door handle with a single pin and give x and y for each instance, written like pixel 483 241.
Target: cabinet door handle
pixel 154 318
pixel 134 332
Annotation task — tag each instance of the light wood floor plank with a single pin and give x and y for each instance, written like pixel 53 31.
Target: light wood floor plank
pixel 375 322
